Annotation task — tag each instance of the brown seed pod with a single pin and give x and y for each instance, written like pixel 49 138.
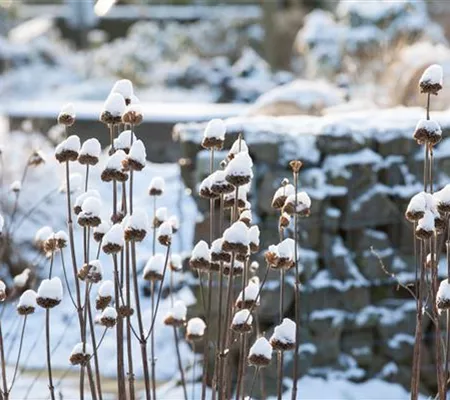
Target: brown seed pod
pixel 136 235
pixel 278 345
pixel 89 221
pixel 101 302
pixel 258 360
pixel 234 247
pixel 46 302
pixel 109 175
pixel 86 159
pixel 111 248
pixel 66 119
pixel 79 358
pixel 238 180
pixel 109 119
pixel 171 321
pixel 130 164
pixel 125 311
pixel 152 276
pixel 25 310
pixel 66 155
pixel 241 328
pixel 414 216
pixel 108 322
pixel 199 263
pixel 212 143
pixel 132 117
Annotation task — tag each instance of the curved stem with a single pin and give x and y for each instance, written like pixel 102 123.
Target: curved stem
pixel 16 368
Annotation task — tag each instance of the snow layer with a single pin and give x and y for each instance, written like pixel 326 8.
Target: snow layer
pixel 216 128
pixel 251 292
pixel 83 196
pixel 432 75
pixel 115 104
pixel 427 222
pixel 123 87
pixel 196 326
pixel 72 143
pixel 16 186
pixel 201 251
pixel 242 317
pixel 430 126
pixel 114 235
pixel 43 234
pixel 286 190
pixel 178 311
pixel 444 290
pixel 155 264
pixel 137 152
pixel 165 229
pixel 106 289
pixel 91 147
pixel 286 248
pixel 115 161
pixel 253 235
pixel 240 165
pixel 78 349
pixel 28 299
pixel 21 280
pixel 109 312
pixel 68 109
pixel 138 220
pixel 237 233
pixel 92 206
pixel 261 347
pixel 176 261
pixel 104 227
pixel 161 214
pixel 124 140
pixel 157 183
pixel 51 289
pixel 285 332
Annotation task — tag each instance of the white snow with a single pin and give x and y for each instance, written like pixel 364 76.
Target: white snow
pixel 114 235
pixel 15 186
pixel 176 261
pixel 216 246
pixel 109 312
pixel 104 227
pixel 178 311
pixel 138 220
pixel 43 234
pixel 444 290
pixel 432 75
pixel 237 233
pixel 261 347
pixel 253 235
pixel 115 104
pixel 123 87
pixel 242 317
pixel 72 143
pixel 91 147
pixel 216 128
pixel 157 183
pixel 286 248
pixel 175 222
pixel 115 161
pixel 201 251
pixel 239 146
pixel 240 165
pixel 78 349
pixel 165 229
pixel 250 292
pixel 303 201
pixel 205 184
pixel 246 214
pixel 427 222
pixel 83 196
pixel 106 289
pixel 27 299
pixel 443 196
pixel 218 177
pixel 155 264
pixel 418 203
pixel 96 266
pixel 196 326
pixel 137 152
pixel 51 289
pixel 430 126
pixel 21 280
pixel 2 287
pixel 161 214
pixel 123 141
pixel 68 109
pixel 286 190
pixel 61 235
pixel 285 332
pixel 2 223
pixel 92 206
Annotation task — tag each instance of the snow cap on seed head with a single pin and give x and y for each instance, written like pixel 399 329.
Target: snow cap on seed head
pixel 237 233
pixel 137 156
pixel 260 353
pixel 443 295
pixel 176 262
pixel 214 134
pixel 113 240
pixel 67 115
pixel 50 293
pixel 239 146
pixel 16 186
pixel 90 152
pixel 431 80
pixel 124 87
pixel 27 302
pixel 154 268
pixel 239 170
pixel 157 186
pixel 113 109
pixel 195 328
pixel 285 332
pixel 200 256
pixel 2 291
pixel 124 140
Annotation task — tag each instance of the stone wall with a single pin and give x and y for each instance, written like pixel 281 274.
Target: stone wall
pixel 360 170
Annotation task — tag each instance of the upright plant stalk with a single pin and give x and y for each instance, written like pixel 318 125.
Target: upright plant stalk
pixel 49 357
pixel 3 362
pixel 152 342
pixel 447 333
pixel 180 365
pixel 280 354
pixel 16 368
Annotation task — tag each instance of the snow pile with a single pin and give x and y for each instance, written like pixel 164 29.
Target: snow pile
pixel 114 235
pixel 157 186
pixel 195 327
pixel 82 348
pixel 240 165
pixel 250 293
pixel 115 104
pixel 155 265
pixel 21 280
pixel 91 147
pixel 433 75
pixel 138 220
pixel 137 152
pixel 124 140
pixel 115 161
pixel 178 311
pixel 91 206
pixel 51 289
pixel 201 251
pixel 242 317
pixel 27 299
pixel 106 289
pixel 261 347
pixel 216 129
pixel 123 87
pixel 285 332
pixel 237 233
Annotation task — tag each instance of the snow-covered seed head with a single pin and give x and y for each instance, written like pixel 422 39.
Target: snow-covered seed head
pixel 90 152
pixel 175 222
pixel 126 304
pixel 431 262
pixel 431 81
pixel 239 146
pixel 253 236
pixel 2 224
pixel 83 196
pixel 61 239
pixel 285 220
pixel 2 291
pixel 105 295
pixel 217 252
pixel 108 318
pixel 176 315
pixel 27 303
pixel 229 199
pixel 113 109
pixel 200 256
pixel 296 165
pixel 36 158
pixel 68 149
pixel 22 280
pixel 164 233
pixel 417 207
pixel 175 262
pixel 214 135
pixel 195 329
pixel 205 190
pixel 157 186
pixel 427 131
pixel 114 169
pixel 254 266
pixel 16 187
pixel 440 224
pixel 260 354
pixel 81 354
pixel 235 238
pixel 50 293
pixel 161 215
pixel 67 115
pixel 246 217
pixel 154 269
pixel 271 256
pixel 89 215
pixel 100 231
pixel 286 253
pixel 41 236
pixel 425 227
pixel 238 268
pixel 136 157
pixel 443 295
pixel 242 321
pixel 219 184
pixel 50 245
pixel 283 338
pixel 299 204
pixel 442 198
pixel 133 115
pixel 239 170
pixel 91 272
pixel 136 226
pixel 124 141
pixel 124 87
pixel 249 297
pixel 113 240
pixel 280 196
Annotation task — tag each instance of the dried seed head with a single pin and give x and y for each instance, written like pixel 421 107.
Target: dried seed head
pixel 91 272
pixel 27 303
pixel 431 81
pixel 68 149
pixel 195 329
pixel 67 115
pixel 154 268
pixel 428 131
pixel 443 295
pixel 90 152
pixel 36 159
pixel 242 321
pixel 177 315
pixel 200 256
pixel 133 115
pixel 296 165
pixel 2 291
pixel 260 354
pixel 108 317
pixel 157 186
pixel 81 354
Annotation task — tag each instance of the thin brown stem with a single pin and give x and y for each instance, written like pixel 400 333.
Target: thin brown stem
pixel 3 364
pixel 180 364
pixel 49 358
pixel 16 368
pixel 152 343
